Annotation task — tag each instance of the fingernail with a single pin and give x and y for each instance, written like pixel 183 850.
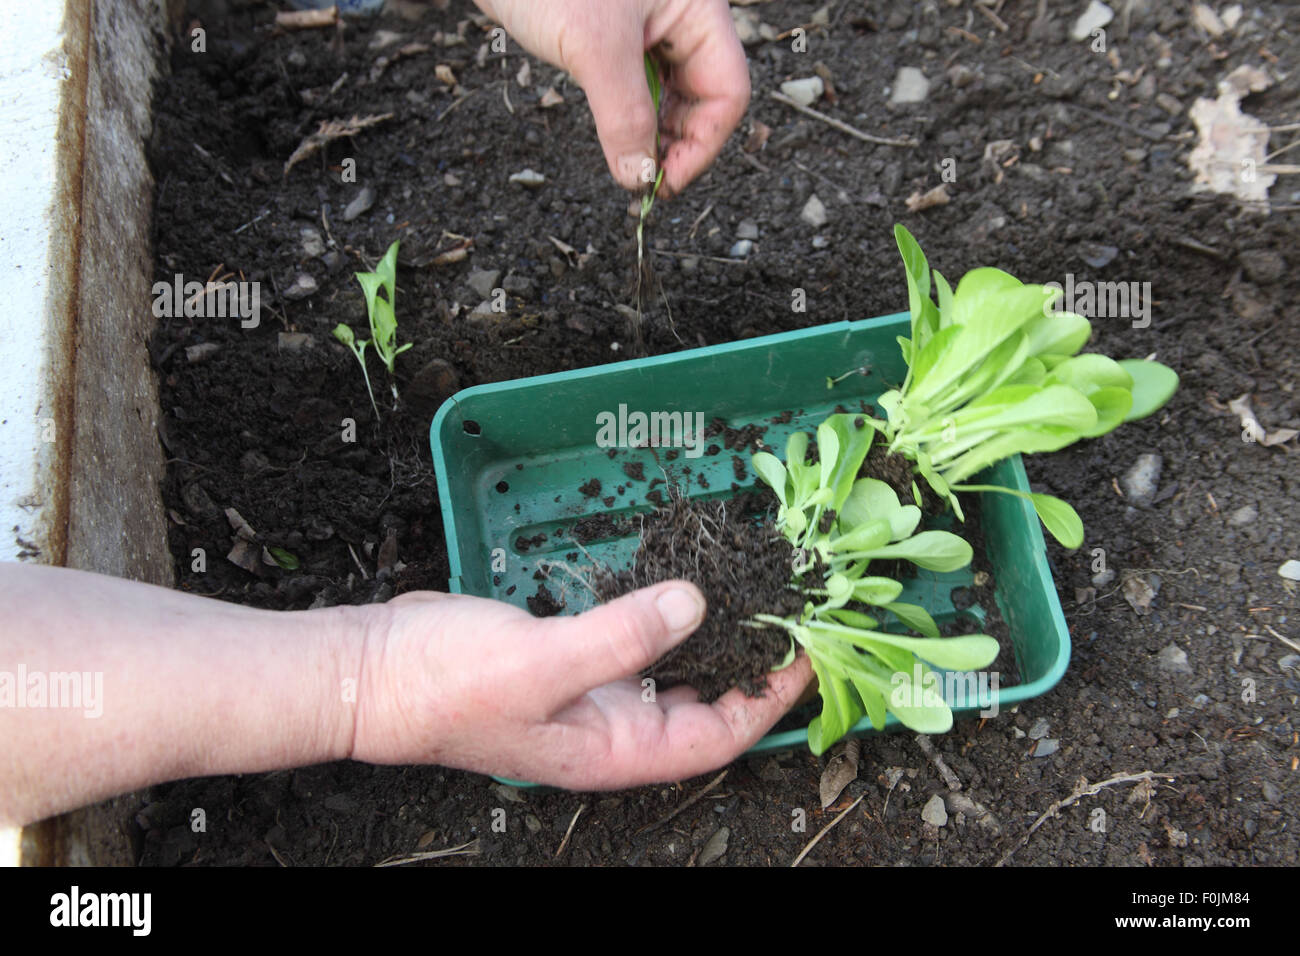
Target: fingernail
pixel 679 608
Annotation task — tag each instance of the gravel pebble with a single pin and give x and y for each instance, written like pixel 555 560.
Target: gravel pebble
pixel 1173 660
pixel 806 91
pixel 910 86
pixel 814 212
pixel 360 204
pixel 1046 747
pixel 1141 481
pixel 935 812
pixel 715 848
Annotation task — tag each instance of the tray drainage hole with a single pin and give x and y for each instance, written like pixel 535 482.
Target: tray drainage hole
pixel 502 487
pixel 472 428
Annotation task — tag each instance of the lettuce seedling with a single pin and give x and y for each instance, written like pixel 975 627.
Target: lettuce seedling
pixel 655 81
pixel 994 371
pixel 381 311
pixel 838 524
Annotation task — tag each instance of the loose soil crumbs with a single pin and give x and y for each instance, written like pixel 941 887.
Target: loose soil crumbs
pixel 743 567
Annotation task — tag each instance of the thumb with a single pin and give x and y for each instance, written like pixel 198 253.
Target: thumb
pixel 613 76
pixel 622 638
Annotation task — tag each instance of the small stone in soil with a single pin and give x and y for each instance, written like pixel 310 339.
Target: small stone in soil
pixel 1046 747
pixel 934 812
pixel 910 86
pixel 360 204
pixel 814 212
pixel 302 287
pixel 1172 659
pixel 1141 481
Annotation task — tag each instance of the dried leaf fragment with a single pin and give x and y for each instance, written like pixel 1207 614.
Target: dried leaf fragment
pixel 1252 430
pixel 329 131
pixel 938 196
pixel 841 770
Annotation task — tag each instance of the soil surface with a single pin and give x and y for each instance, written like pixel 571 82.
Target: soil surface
pixel 1067 162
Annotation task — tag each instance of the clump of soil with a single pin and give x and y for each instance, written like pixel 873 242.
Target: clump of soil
pixel 544 603
pixel 742 565
pixel 598 527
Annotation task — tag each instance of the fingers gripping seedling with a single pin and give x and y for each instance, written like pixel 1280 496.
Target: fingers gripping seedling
pixel 381 312
pixel 655 81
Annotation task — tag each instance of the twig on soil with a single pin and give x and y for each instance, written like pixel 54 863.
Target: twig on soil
pixel 699 219
pixel 264 213
pixel 216 164
pixel 360 567
pixel 278 858
pixel 333 843
pixel 687 803
pixel 824 830
pixel 842 127
pixel 950 779
pixel 1035 69
pixel 1187 242
pixel 843 194
pixel 453 106
pixel 324 221
pixel 1120 124
pixel 569 832
pixel 1285 640
pixel 996 20
pixel 465 849
pixel 1082 789
pixel 695 255
pixel 1285 149
pixel 306 19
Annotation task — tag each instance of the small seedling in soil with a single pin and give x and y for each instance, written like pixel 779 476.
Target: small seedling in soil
pixel 644 274
pixel 381 311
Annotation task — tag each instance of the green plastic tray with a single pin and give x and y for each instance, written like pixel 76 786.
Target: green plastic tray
pixel 510 458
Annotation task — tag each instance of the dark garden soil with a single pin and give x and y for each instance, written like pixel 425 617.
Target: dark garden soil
pixel 1067 162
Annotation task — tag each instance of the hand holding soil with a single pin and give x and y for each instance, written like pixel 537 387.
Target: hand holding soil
pixel 601 42
pixel 481 685
pixel 171 685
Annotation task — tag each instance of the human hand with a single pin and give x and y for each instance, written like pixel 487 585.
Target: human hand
pixel 602 43
pixel 481 685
